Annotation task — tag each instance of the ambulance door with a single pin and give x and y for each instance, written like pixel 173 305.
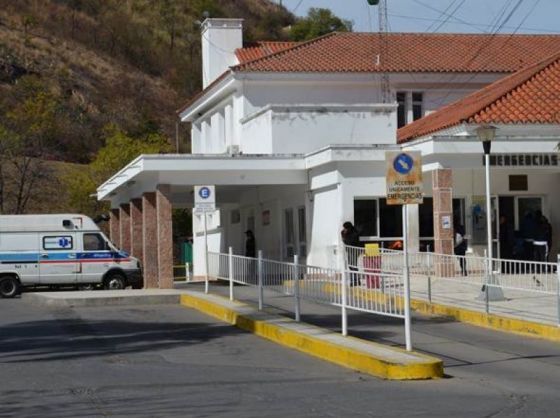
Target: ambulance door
pixel 58 256
pixel 95 258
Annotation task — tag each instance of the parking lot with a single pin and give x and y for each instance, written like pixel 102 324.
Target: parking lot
pixel 165 360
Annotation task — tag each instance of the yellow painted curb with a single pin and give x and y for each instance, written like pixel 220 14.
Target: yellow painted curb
pixel 426 368
pixel 496 322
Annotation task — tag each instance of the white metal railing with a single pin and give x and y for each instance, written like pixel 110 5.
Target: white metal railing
pixel 533 287
pixel 509 274
pixel 368 290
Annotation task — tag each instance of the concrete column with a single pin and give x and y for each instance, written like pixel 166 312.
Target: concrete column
pixel 164 237
pixel 413 236
pixel 149 240
pixel 136 233
pixel 114 227
pixel 125 227
pixel 442 184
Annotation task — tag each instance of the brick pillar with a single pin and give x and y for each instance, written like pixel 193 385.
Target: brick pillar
pixel 136 236
pixel 114 226
pixel 125 227
pixel 149 240
pixel 164 237
pixel 442 185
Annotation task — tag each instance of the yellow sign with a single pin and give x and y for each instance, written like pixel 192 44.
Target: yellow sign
pixel 404 177
pixel 372 250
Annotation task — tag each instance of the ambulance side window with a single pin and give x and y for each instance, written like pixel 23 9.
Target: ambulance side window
pixel 94 242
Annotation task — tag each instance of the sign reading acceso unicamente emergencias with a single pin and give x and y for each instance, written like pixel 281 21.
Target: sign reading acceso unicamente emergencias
pixel 404 177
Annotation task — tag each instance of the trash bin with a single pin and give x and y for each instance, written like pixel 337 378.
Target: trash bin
pixel 372 266
pixel 186 252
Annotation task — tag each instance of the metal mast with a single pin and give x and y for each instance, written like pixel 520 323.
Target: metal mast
pixel 384 50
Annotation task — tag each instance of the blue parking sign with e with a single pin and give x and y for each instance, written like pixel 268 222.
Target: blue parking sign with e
pixel 204 192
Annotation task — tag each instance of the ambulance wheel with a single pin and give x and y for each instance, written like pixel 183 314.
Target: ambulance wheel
pixel 9 287
pixel 115 281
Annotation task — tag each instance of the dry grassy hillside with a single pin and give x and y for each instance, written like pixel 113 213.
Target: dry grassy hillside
pixel 71 69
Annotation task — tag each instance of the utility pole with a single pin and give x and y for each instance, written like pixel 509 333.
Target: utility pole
pixel 383 41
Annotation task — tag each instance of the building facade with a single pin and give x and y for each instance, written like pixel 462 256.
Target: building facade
pixel 294 137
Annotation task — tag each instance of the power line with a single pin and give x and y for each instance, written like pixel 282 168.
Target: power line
pixel 477 26
pixel 297 6
pixel 450 16
pixel 509 16
pixel 429 28
pixel 441 11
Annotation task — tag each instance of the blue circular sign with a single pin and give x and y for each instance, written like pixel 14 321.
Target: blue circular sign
pixel 403 163
pixel 204 192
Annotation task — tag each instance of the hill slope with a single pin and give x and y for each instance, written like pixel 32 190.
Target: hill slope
pixel 95 62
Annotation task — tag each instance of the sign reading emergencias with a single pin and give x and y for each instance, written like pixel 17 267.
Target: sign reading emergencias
pixel 404 177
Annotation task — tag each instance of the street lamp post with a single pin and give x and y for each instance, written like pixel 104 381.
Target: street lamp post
pixel 486 135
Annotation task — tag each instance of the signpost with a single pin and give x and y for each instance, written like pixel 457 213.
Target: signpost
pixel 204 202
pixel 404 187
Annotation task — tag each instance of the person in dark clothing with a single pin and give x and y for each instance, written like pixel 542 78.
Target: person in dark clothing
pixel 351 237
pixel 507 239
pixel 540 237
pixel 460 246
pixel 250 244
pixel 527 229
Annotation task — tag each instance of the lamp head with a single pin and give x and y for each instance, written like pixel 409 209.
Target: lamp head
pixel 486 134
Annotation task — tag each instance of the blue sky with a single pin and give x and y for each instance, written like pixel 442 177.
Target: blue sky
pixel 474 16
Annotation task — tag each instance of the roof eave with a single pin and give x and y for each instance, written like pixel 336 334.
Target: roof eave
pixel 214 91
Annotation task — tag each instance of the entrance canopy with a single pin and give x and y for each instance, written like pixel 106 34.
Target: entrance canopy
pixel 181 172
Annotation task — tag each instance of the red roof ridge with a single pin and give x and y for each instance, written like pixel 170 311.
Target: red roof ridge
pixel 475 103
pixel 239 67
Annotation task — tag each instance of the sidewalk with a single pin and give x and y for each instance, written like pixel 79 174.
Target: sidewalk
pixel 524 305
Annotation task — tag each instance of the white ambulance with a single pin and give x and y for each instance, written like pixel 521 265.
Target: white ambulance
pixel 61 250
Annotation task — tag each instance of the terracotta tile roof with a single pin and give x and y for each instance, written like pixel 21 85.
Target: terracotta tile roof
pixel 408 52
pixel 256 50
pixel 529 96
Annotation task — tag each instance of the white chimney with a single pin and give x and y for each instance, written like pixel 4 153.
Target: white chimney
pixel 220 39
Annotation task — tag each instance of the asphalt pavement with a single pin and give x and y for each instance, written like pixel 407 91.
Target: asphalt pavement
pixel 166 360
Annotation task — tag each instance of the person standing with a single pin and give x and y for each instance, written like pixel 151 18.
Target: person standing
pixel 250 244
pixel 540 241
pixel 251 253
pixel 507 239
pixel 351 237
pixel 527 229
pixel 460 246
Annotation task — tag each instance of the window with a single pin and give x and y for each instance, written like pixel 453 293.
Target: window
pixel 365 217
pixel 302 231
pixel 401 109
pixel 265 217
pixel 417 105
pixel 518 183
pixel 95 242
pixel 459 210
pixel 390 217
pixel 526 206
pixel 289 232
pixel 58 243
pixel 426 218
pixel 235 216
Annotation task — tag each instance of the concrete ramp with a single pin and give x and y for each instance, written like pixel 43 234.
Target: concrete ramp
pixel 364 356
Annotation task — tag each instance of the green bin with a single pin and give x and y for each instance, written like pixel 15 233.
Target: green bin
pixel 186 252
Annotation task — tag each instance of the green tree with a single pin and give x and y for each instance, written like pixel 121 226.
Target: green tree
pixel 118 151
pixel 318 22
